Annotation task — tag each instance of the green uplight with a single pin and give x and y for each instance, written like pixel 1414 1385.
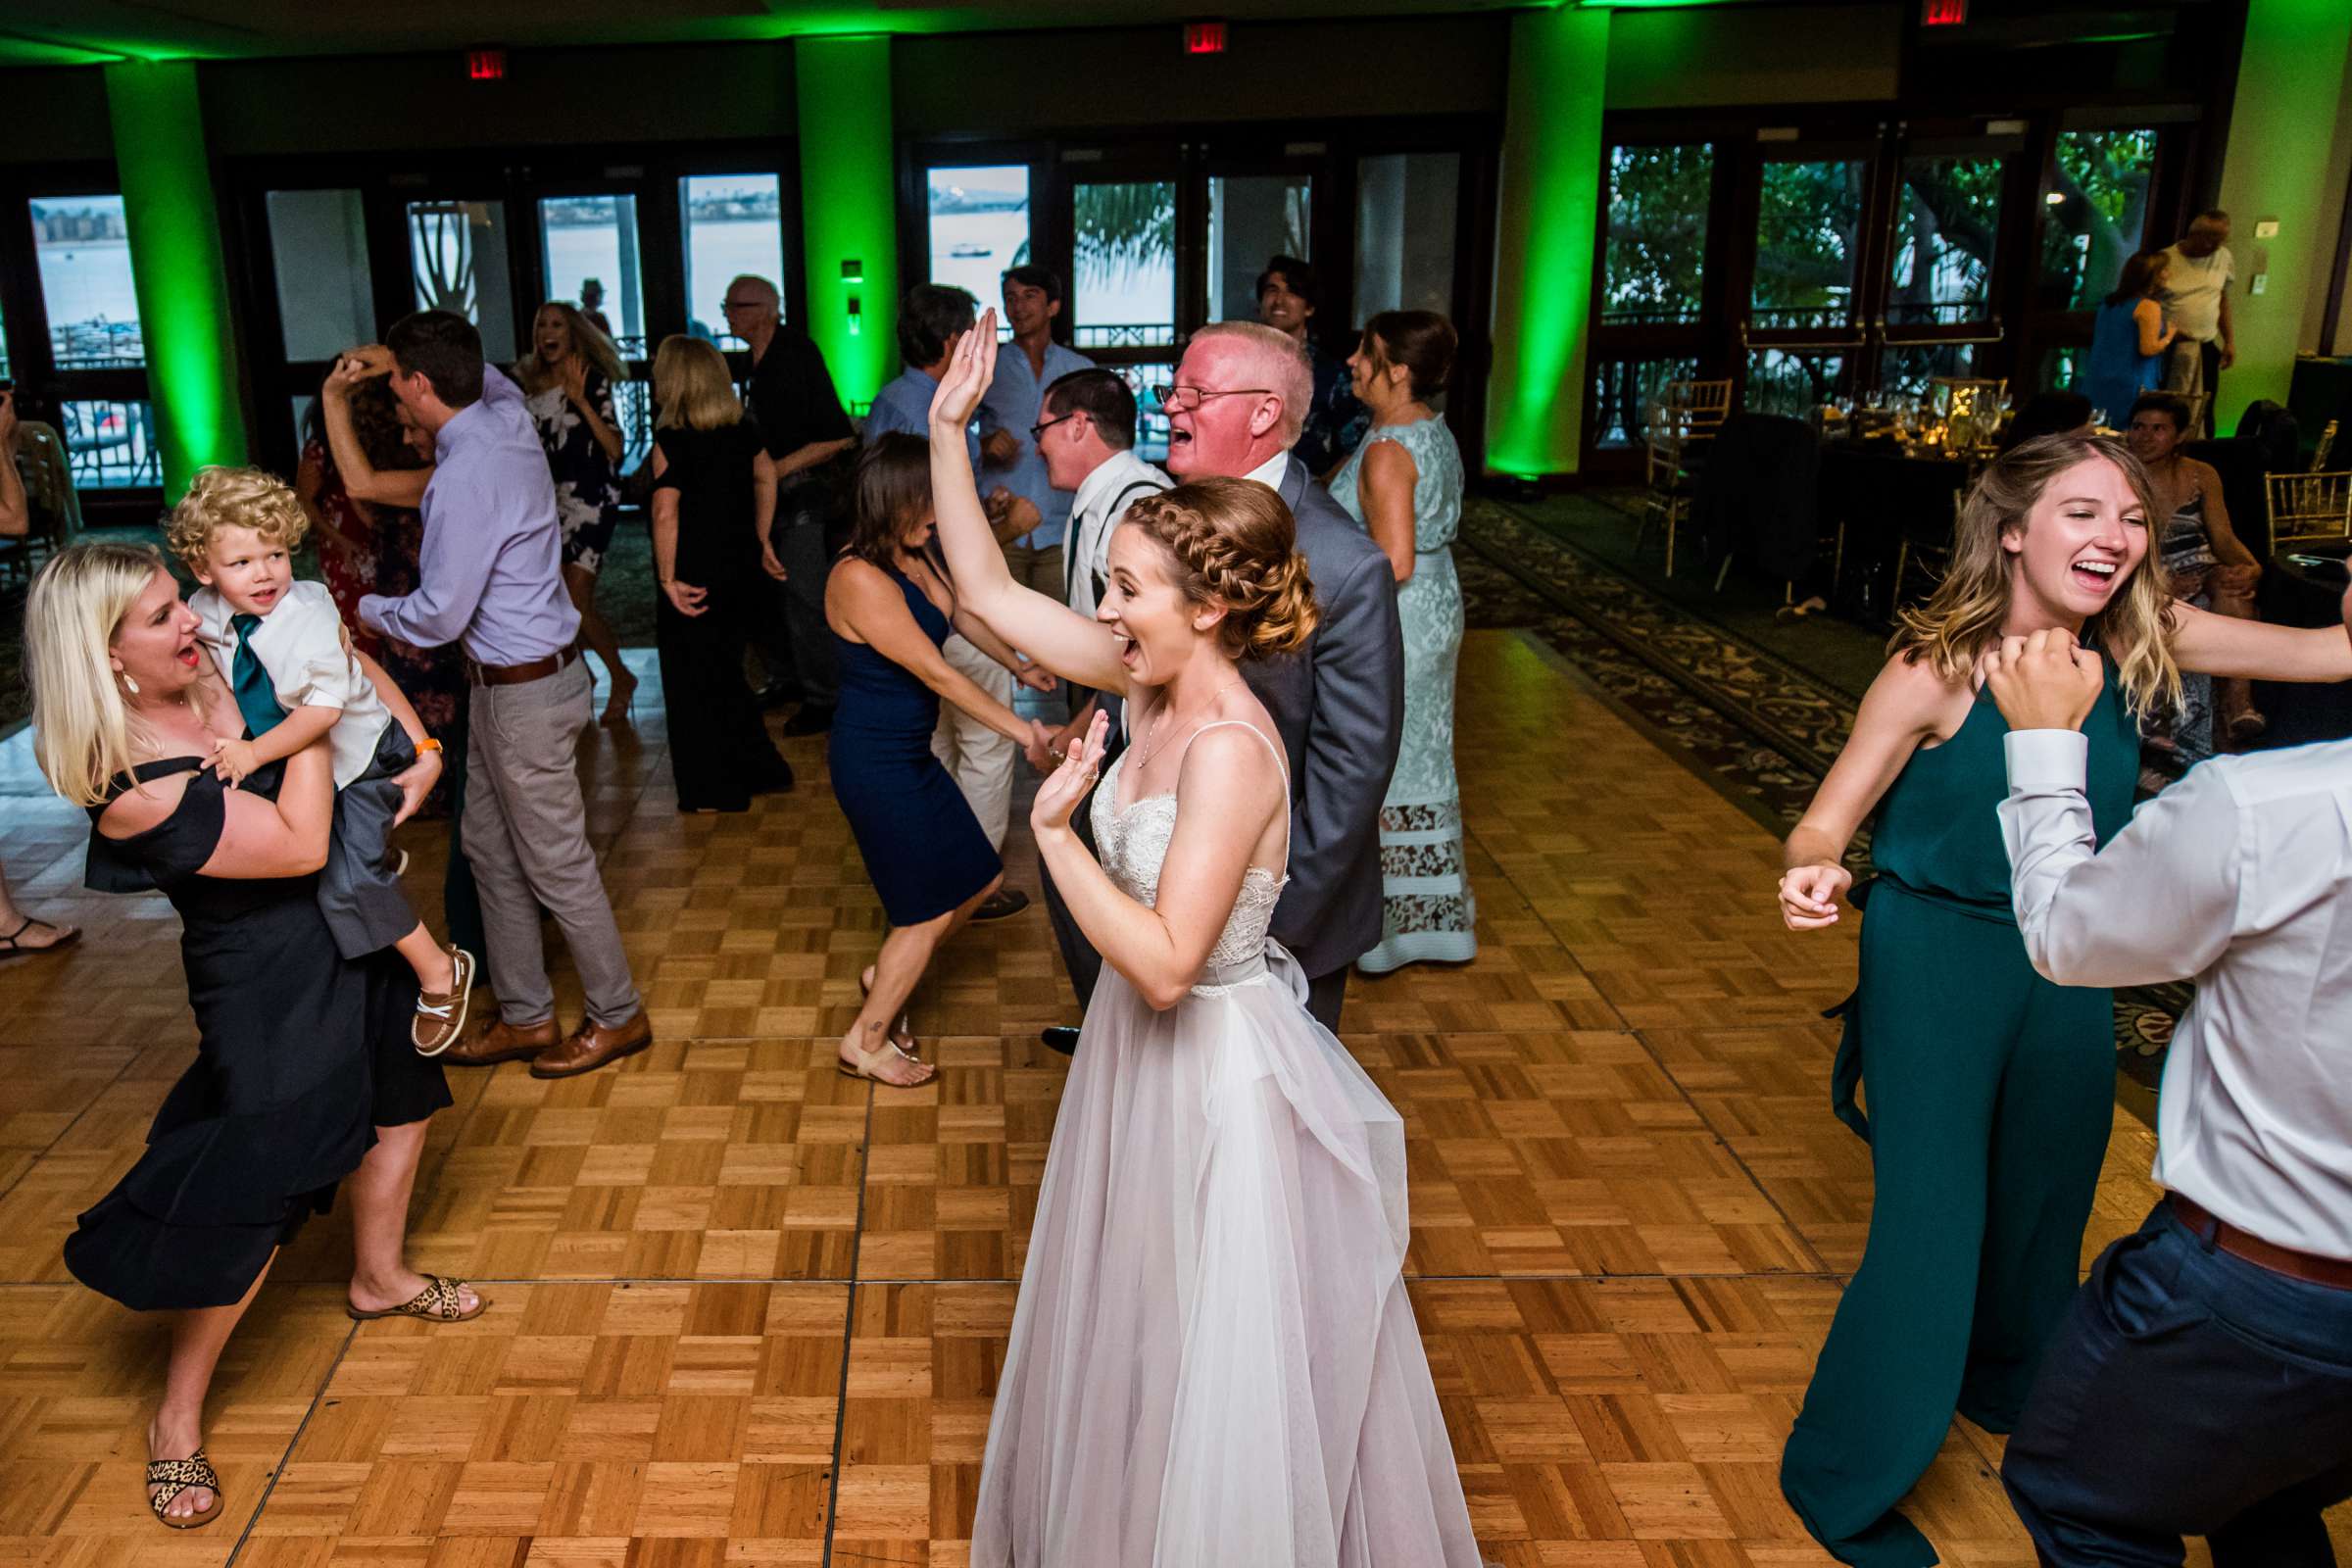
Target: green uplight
pixel 848 210
pixel 2276 166
pixel 1552 200
pixel 175 266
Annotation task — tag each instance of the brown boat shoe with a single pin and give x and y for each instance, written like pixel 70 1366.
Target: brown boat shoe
pixel 441 1014
pixel 593 1044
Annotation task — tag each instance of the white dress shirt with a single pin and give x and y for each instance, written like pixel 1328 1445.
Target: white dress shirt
pixel 1272 472
pixel 2240 875
pixel 300 644
pixel 1097 507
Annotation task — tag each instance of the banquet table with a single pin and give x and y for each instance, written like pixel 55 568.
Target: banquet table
pixel 1884 494
pixel 2304 586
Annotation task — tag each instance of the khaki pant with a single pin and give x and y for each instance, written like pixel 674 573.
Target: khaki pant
pixel 526 833
pixel 1040 569
pixel 980 759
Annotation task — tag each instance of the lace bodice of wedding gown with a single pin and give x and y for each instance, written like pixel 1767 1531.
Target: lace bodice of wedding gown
pixel 1134 844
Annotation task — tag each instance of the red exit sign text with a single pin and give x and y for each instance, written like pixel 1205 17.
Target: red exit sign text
pixel 1204 37
pixel 1943 12
pixel 486 65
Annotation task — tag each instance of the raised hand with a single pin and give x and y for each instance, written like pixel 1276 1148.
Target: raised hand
pixel 1809 895
pixel 1067 785
pixel 970 370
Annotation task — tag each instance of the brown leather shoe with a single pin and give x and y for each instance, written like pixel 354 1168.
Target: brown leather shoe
pixel 500 1042
pixel 592 1044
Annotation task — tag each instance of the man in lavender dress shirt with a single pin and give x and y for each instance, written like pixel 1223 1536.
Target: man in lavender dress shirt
pixel 490 577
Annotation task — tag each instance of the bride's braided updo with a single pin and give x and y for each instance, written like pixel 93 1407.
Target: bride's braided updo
pixel 1233 542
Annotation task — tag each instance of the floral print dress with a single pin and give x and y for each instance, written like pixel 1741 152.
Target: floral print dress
pixel 1428 913
pixel 587 487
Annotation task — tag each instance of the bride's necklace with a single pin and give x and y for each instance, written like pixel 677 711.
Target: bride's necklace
pixel 1160 735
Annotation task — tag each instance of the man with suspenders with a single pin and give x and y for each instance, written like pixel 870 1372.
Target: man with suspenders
pixel 1086 433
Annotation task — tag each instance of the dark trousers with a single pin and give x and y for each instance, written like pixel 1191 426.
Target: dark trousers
pixel 790 619
pixel 2190 1392
pixel 719 751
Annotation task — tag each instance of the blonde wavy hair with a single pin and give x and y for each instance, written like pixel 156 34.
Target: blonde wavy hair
pixel 535 376
pixel 1234 543
pixel 1964 616
pixel 220 498
pixel 691 386
pixel 83 733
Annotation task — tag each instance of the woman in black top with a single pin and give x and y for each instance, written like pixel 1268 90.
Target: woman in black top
pixel 714 500
pixel 303 1076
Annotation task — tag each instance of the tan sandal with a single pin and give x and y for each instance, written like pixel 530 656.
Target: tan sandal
pixel 864 1066
pixel 441 1014
pixel 181 1475
pixel 438 1302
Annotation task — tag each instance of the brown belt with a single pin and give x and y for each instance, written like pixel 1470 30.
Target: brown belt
pixel 2310 1267
pixel 517 674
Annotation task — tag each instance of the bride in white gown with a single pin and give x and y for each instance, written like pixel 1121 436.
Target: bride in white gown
pixel 1214 1363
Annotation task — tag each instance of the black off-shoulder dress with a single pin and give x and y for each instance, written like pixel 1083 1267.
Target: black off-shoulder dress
pixel 300 1056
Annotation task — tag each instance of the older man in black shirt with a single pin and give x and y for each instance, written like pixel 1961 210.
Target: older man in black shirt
pixel 799 415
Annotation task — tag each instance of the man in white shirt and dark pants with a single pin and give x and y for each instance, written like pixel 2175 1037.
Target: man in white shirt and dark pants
pixel 2203 1383
pixel 2197 274
pixel 1085 432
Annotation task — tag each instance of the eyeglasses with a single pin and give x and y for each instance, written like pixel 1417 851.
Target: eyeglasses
pixel 1037 431
pixel 730 306
pixel 1185 399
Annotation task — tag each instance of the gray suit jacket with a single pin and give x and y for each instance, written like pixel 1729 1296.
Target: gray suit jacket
pixel 1339 706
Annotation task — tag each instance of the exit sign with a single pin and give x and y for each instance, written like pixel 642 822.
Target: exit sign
pixel 485 65
pixel 1204 37
pixel 1943 12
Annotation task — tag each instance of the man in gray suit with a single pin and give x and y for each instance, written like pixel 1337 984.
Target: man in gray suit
pixel 1235 409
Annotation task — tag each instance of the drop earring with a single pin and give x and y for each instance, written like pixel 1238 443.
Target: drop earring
pixel 129 685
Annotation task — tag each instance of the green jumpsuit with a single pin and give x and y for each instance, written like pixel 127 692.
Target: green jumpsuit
pixel 1989 1105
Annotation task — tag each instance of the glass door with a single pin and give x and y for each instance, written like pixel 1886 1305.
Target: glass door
pixel 1654 282
pixel 1122 289
pixel 1939 319
pixel 96 346
pixel 1803 333
pixel 589 258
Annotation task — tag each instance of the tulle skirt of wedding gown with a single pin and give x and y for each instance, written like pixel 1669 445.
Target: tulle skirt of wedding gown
pixel 1214 1363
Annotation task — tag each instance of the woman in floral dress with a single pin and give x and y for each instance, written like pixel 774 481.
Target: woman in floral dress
pixel 1405 484
pixel 568 381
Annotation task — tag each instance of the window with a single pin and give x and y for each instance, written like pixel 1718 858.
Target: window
pixel 1809 226
pixel 1404 223
pixel 2095 197
pixel 326 296
pixel 1657 236
pixel 1791 383
pixel 588 245
pixel 733 225
pixel 84 251
pixel 1947 216
pixel 1911 369
pixel 457 258
pixel 110 443
pixel 1252 219
pixel 1125 292
pixel 1624 391
pixel 979 226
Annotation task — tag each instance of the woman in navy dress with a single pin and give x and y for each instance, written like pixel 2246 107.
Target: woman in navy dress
pixel 303 1077
pixel 889 606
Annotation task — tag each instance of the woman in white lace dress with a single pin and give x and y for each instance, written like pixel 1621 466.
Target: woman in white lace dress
pixel 1213 1361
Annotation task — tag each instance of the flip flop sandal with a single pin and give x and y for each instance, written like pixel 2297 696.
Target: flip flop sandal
pixel 11 947
pixel 437 1302
pixel 179 1475
pixel 864 1066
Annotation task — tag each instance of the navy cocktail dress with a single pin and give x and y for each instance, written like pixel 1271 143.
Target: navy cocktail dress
pixel 922 845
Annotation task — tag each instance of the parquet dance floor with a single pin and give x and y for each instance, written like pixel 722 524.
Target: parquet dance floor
pixel 749 1312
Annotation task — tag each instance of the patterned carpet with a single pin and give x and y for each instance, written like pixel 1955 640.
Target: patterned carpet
pixel 1759 728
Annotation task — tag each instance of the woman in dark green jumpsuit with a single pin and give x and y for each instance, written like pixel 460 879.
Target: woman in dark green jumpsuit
pixel 1989 1089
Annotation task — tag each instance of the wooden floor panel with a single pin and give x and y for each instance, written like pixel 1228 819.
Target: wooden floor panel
pixel 751 1312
